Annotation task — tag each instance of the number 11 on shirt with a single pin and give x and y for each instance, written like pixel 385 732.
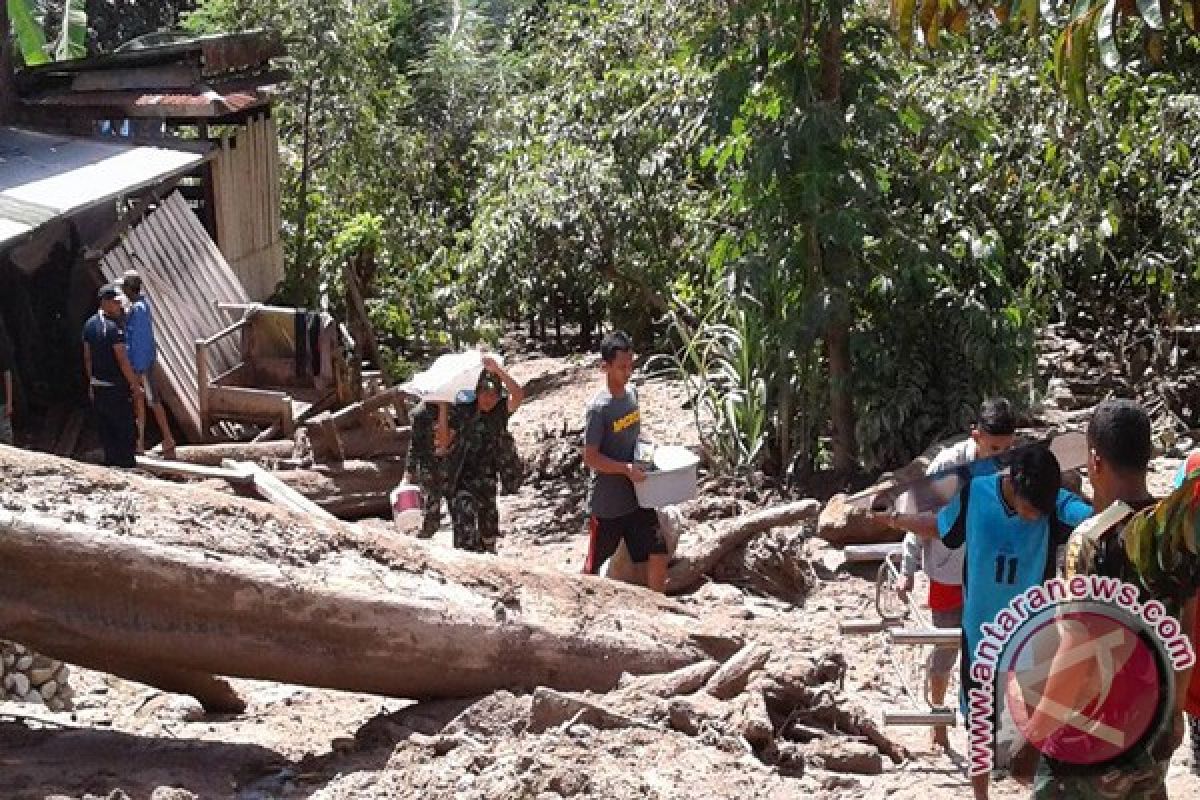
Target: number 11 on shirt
pixel 1011 563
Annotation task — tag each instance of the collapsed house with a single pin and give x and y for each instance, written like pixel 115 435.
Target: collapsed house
pixel 163 160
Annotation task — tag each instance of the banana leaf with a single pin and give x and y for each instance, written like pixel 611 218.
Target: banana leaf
pixel 30 39
pixel 72 39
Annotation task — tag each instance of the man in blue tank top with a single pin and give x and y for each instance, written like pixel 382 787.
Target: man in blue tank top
pixel 1011 526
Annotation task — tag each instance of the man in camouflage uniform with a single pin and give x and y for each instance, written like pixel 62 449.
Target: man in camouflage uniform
pixel 439 470
pixel 461 452
pixel 1154 550
pixel 426 467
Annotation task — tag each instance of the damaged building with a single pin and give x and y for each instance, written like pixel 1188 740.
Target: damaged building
pixel 161 159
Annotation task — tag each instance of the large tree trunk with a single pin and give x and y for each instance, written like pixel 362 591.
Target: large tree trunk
pixel 200 584
pixel 837 329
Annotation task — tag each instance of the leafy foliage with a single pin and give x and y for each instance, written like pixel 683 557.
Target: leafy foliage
pixel 763 178
pixel 30 20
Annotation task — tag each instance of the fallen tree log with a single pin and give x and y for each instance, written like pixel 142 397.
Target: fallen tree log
pixel 358 444
pixel 701 549
pixel 355 489
pixel 211 455
pixel 218 585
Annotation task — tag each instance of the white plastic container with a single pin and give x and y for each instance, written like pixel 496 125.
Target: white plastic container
pixel 449 375
pixel 673 479
pixel 407 508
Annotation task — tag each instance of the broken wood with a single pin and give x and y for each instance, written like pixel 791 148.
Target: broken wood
pixel 326 443
pixel 219 585
pixel 681 681
pixel 731 679
pixel 355 414
pixel 842 523
pixel 752 720
pixel 270 488
pixel 700 550
pixel 213 454
pixel 174 468
pixel 551 708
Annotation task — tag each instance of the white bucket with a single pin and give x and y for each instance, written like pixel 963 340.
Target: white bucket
pixel 407 508
pixel 673 479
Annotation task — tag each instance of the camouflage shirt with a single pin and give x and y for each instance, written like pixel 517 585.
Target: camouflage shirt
pixel 481 442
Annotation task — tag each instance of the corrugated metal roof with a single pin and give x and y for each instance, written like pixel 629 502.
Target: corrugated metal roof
pixel 44 177
pixel 216 53
pixel 184 275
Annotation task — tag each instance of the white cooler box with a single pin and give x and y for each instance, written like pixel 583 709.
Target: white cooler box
pixel 671 481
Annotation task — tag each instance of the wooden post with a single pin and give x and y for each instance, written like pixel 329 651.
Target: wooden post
pixel 202 387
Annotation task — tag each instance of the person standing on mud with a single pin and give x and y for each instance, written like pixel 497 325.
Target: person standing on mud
pixel 1157 555
pixel 993 433
pixel 143 352
pixel 468 456
pixel 112 383
pixel 610 438
pixel 1010 527
pixel 429 466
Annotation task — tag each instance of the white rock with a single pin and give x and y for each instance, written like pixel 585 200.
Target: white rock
pixel 9 659
pixel 19 649
pixel 49 689
pixel 24 663
pixel 56 704
pixel 34 696
pixel 19 684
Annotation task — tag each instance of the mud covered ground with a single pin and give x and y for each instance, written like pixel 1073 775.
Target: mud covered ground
pixel 128 740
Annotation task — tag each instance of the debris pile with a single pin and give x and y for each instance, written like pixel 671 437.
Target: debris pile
pixel 1083 362
pixel 29 677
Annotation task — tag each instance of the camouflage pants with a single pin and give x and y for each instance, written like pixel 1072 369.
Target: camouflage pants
pixel 433 491
pixel 431 519
pixel 476 518
pixel 508 463
pixel 1144 779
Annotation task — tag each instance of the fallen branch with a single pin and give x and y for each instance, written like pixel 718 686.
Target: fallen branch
pixel 700 550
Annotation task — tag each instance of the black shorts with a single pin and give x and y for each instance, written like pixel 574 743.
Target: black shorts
pixel 638 529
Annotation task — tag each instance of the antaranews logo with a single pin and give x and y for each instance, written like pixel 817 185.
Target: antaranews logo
pixel 1081 667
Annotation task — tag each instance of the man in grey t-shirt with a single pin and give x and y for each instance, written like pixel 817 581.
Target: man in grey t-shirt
pixel 609 440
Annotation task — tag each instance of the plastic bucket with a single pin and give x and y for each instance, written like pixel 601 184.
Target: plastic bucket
pixel 672 481
pixel 407 507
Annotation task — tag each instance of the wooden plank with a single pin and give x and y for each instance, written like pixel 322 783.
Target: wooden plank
pixel 183 469
pixel 936 636
pixel 852 627
pixel 860 553
pixel 158 76
pixel 234 400
pixel 916 717
pixel 276 491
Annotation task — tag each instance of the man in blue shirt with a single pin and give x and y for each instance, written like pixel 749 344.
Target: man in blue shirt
pixel 1011 526
pixel 111 379
pixel 139 341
